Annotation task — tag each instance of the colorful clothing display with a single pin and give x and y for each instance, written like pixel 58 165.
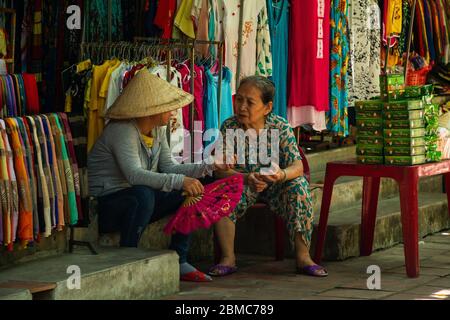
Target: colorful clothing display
pixel 364 71
pixel 279 36
pixel 309 63
pixel 337 119
pixel 254 36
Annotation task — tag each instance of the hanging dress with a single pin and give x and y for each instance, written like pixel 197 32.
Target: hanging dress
pixel 337 117
pixel 365 30
pixel 13 192
pixel 46 226
pixel 309 65
pixel 279 36
pixel 252 11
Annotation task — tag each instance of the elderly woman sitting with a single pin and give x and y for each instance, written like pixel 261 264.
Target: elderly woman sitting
pixel 131 169
pixel 285 190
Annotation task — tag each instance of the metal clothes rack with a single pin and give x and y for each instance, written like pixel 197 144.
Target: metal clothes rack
pixel 149 47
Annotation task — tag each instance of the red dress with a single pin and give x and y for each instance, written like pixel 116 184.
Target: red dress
pixel 165 17
pixel 309 67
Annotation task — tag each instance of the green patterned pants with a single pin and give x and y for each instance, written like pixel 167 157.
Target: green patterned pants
pixel 290 200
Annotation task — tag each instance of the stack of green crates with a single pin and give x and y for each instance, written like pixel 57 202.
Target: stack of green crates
pixel 370 141
pixel 404 132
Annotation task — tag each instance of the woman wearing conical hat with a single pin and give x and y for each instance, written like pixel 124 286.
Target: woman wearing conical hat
pixel 131 170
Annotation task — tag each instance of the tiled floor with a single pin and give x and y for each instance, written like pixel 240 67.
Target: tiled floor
pixel 261 278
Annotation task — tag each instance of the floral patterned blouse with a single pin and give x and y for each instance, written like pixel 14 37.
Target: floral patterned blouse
pixel 287 148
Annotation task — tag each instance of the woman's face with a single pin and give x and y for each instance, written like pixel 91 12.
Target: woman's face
pixel 250 109
pixel 165 117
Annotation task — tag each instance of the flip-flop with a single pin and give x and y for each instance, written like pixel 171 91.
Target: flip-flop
pixel 313 271
pixel 195 276
pixel 220 270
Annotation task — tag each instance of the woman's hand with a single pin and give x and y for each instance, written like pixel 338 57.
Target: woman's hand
pixel 256 183
pixel 273 174
pixel 193 187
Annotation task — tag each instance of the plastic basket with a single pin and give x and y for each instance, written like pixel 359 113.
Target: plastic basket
pixel 417 78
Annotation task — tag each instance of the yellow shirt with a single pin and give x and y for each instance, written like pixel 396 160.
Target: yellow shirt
pixel 394 18
pixel 97 103
pixel 183 19
pixel 147 140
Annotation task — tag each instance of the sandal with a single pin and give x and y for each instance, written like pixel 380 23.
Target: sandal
pixel 220 270
pixel 195 276
pixel 314 271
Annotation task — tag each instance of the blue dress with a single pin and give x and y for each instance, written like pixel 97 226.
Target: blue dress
pixel 279 35
pixel 211 109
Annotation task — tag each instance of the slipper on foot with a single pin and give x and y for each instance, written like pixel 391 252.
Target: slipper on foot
pixel 220 270
pixel 314 271
pixel 195 276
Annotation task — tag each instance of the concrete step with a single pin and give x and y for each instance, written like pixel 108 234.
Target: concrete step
pixel 153 238
pixel 255 232
pixel 347 191
pixel 318 161
pixel 113 274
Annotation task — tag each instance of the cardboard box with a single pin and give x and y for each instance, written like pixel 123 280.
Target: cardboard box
pixel 404 151
pixel 404 124
pixel 369 150
pixel 404 105
pixel 403 115
pixel 404 133
pixel 402 142
pixel 368 105
pixel 370 159
pixel 405 160
pixel 369 123
pixel 374 141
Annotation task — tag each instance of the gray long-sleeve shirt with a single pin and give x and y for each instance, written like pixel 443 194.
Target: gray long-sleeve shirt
pixel 120 159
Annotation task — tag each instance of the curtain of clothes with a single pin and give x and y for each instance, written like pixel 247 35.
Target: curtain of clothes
pixel 40 180
pixel 18 95
pixel 93 88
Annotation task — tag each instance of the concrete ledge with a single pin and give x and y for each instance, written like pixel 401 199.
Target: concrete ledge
pixel 113 274
pixel 154 238
pixel 15 294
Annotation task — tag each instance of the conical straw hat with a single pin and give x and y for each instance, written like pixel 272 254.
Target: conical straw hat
pixel 147 95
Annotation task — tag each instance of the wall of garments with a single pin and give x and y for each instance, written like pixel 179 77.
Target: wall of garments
pixel 40 179
pixel 322 54
pixel 18 95
pixel 93 88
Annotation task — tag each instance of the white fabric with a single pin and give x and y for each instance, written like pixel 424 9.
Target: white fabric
pixel 251 11
pixel 115 85
pixel 307 115
pixel 176 123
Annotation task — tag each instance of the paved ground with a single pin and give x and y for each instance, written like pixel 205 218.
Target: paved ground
pixel 261 278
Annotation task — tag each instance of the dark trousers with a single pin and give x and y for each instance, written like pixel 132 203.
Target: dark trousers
pixel 131 210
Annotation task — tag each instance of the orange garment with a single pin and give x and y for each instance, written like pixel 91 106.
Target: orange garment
pixel 25 226
pixel 4 188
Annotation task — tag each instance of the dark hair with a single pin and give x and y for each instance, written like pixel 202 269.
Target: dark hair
pixel 264 85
